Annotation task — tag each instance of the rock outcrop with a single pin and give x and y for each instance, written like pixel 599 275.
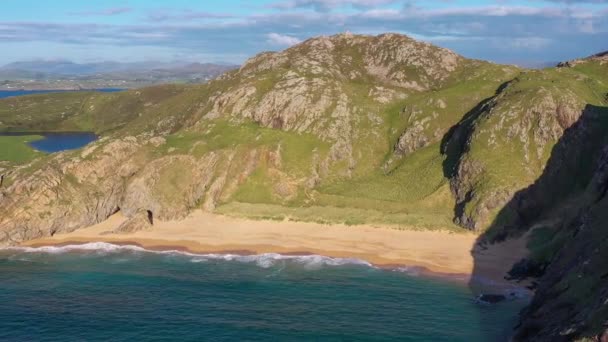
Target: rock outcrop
pixel 601 57
pixel 67 192
pixel 142 220
pixel 572 295
pixel 508 144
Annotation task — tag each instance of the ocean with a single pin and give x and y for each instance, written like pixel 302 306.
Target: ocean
pixel 103 292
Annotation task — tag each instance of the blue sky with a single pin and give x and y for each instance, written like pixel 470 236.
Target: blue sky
pixel 508 31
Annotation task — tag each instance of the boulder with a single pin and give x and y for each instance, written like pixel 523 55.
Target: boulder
pixel 142 220
pixel 491 298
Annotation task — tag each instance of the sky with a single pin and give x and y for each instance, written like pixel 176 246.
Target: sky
pixel 230 31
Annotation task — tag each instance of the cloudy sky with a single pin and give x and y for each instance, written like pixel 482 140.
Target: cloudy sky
pixel 512 31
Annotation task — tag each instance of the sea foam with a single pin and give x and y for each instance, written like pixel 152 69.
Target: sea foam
pixel 265 260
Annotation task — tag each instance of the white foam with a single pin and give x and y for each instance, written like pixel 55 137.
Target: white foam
pixel 268 260
pixel 265 260
pixel 91 246
pixel 409 270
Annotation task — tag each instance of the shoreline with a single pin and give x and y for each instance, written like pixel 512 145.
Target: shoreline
pixel 144 244
pixel 437 254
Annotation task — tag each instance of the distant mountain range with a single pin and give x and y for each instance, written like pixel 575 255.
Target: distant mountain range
pixel 63 74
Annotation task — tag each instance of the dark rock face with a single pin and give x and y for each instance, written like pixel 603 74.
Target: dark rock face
pixel 603 337
pixel 526 268
pixel 571 301
pixel 491 298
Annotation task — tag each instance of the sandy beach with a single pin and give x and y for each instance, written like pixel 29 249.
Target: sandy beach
pixel 439 252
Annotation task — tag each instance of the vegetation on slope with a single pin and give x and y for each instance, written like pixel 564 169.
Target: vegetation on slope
pixel 81 111
pixel 382 123
pixel 15 149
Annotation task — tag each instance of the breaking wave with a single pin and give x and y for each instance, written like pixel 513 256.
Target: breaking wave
pixel 265 260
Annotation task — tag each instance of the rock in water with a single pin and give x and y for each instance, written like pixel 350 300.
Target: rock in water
pixel 491 298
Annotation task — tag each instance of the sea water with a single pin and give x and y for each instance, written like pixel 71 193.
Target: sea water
pixel 103 292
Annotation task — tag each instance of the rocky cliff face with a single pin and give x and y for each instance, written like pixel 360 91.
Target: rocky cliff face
pixel 572 295
pixel 78 189
pixel 508 144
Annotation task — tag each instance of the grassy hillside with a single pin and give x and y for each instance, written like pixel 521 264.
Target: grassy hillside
pixel 322 127
pixel 399 132
pixel 15 149
pixel 81 111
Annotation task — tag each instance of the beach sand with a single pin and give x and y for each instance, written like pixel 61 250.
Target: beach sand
pixel 438 252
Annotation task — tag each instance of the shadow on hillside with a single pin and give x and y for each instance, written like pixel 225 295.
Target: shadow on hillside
pixel 556 196
pixel 454 142
pixel 567 173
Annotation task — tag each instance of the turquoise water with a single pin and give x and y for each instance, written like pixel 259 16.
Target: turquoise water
pixel 105 292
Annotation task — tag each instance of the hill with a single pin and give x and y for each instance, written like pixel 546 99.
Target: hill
pixel 354 129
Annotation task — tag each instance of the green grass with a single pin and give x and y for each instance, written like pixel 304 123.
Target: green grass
pixel 90 111
pixel 336 215
pixel 416 177
pixel 173 182
pixel 415 194
pixel 296 149
pixel 41 112
pixel 15 149
pixel 257 189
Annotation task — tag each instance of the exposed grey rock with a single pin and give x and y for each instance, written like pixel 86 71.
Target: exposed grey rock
pixel 142 220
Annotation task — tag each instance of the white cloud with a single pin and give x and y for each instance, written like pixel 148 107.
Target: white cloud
pixel 498 32
pixel 327 5
pixel 104 12
pixel 282 39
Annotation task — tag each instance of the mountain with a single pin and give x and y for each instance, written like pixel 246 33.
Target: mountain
pixel 353 129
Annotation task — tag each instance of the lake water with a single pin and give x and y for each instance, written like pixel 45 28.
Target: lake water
pixel 101 292
pixel 52 142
